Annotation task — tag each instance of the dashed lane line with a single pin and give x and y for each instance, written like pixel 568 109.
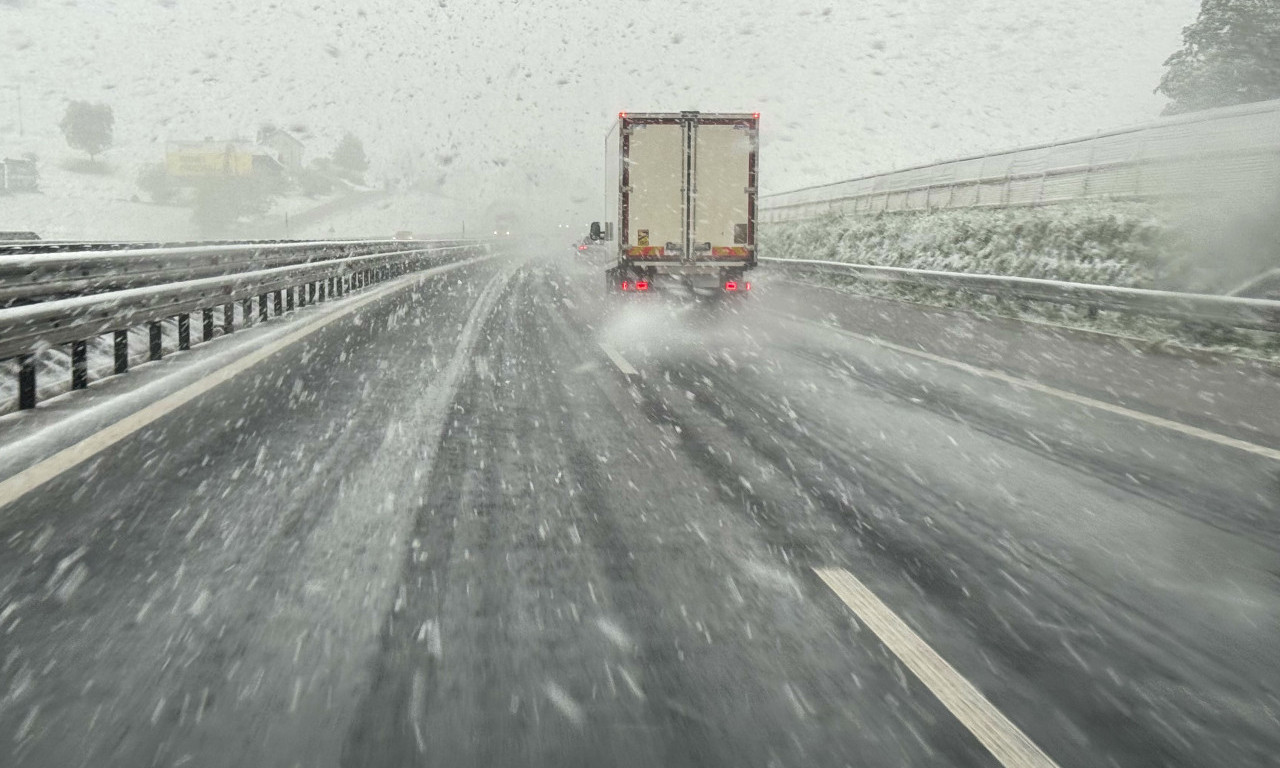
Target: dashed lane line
pixel 18 485
pixel 619 361
pixel 1001 737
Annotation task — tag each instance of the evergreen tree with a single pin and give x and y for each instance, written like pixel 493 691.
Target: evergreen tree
pixel 88 127
pixel 349 156
pixel 1230 55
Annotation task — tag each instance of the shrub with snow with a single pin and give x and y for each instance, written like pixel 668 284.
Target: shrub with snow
pixel 1108 244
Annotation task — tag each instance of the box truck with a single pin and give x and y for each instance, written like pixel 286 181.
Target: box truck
pixel 686 202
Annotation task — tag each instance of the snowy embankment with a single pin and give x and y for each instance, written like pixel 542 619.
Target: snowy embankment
pixel 1113 243
pixel 1116 244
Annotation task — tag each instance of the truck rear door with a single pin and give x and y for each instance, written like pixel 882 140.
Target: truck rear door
pixel 723 196
pixel 654 178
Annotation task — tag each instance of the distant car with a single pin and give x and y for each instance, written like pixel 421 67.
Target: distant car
pixel 588 247
pixel 404 234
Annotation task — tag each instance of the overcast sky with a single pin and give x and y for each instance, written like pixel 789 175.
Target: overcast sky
pixel 507 98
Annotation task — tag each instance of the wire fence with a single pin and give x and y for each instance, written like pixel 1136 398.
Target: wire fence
pixel 1222 153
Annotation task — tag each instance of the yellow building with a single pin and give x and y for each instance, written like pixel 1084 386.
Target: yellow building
pixel 197 159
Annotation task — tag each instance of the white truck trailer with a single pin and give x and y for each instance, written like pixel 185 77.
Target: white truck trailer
pixel 686 202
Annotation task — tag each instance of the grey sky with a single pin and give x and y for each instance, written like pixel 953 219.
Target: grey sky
pixel 513 98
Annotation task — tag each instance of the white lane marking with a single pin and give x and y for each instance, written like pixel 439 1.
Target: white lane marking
pixel 1045 389
pixel 415 709
pixel 619 360
pixel 1001 737
pixel 21 483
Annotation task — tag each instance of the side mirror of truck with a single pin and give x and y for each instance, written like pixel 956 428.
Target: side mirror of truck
pixel 602 231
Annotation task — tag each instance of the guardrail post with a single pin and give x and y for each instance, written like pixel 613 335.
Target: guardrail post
pixel 206 316
pixel 246 311
pixel 184 332
pixel 279 302
pixel 121 347
pixel 288 300
pixel 262 307
pixel 311 293
pixel 155 348
pixel 228 317
pixel 79 365
pixel 320 286
pixel 26 382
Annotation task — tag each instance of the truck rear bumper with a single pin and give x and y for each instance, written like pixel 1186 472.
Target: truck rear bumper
pixel 683 269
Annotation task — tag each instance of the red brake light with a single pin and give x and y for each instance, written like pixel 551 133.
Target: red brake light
pixel 731 286
pixel 642 285
pixel 626 285
pixel 582 247
pixel 756 115
pixel 622 115
pixel 746 286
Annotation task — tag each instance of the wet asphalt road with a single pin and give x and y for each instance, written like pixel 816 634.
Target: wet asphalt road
pixel 449 531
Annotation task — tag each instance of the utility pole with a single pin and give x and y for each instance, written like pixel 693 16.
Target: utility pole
pixel 18 89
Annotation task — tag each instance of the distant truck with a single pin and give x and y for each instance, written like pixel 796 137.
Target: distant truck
pixel 686 202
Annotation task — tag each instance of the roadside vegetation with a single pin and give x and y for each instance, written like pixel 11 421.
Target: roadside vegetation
pixel 1104 243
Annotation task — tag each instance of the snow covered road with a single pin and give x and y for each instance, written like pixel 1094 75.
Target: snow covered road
pixel 450 529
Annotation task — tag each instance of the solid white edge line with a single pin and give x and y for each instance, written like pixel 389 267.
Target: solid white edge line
pixel 1045 389
pixel 1001 737
pixel 21 483
pixel 619 360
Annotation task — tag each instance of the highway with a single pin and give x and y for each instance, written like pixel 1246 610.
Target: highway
pixel 487 519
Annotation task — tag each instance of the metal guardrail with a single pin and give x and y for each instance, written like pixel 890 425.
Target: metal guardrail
pixel 29 328
pixel 1232 152
pixel 33 244
pixel 40 276
pixel 1237 312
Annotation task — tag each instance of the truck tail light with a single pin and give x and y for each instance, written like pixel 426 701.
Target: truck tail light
pixel 730 285
pixel 626 285
pixel 642 285
pixel 746 286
